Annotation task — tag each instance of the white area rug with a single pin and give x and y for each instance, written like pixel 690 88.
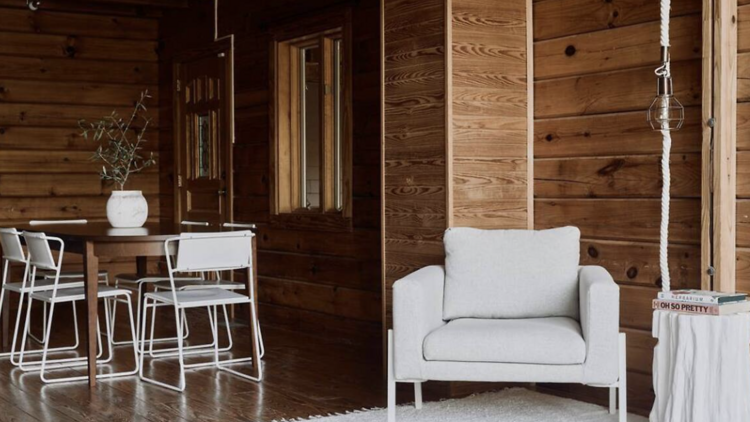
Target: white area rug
pixel 510 405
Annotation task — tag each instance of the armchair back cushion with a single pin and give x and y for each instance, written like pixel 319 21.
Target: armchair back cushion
pixel 511 273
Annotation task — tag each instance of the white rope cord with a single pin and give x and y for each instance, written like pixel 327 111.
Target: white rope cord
pixel 664 229
pixel 666 147
pixel 664 15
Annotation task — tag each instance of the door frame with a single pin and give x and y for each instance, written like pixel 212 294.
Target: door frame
pixel 222 46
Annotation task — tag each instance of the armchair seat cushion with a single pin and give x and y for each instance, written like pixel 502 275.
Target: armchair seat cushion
pixel 551 341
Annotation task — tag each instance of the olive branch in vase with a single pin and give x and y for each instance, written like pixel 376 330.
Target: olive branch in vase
pixel 120 142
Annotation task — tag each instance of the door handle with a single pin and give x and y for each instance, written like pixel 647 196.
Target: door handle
pixel 222 192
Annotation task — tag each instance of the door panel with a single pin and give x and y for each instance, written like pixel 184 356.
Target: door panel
pixel 203 143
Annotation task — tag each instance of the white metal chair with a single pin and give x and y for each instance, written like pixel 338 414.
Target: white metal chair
pixel 72 275
pixel 186 283
pixel 13 253
pixel 240 225
pixel 206 252
pixel 195 284
pixel 103 275
pixel 40 258
pixel 138 284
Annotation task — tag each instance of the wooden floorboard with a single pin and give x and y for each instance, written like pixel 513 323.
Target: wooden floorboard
pixel 304 375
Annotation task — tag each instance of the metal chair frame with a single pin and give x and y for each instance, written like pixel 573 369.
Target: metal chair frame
pixel 40 257
pixel 13 254
pixel 205 265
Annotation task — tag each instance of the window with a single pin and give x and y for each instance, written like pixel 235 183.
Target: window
pixel 311 129
pixel 203 149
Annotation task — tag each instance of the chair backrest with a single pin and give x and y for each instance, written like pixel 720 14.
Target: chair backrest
pixel 194 223
pixel 212 251
pixel 511 273
pixel 46 222
pixel 10 240
pixel 40 253
pixel 240 225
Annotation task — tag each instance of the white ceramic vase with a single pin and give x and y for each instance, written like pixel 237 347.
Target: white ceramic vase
pixel 127 209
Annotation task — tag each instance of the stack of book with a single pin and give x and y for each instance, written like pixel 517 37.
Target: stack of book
pixel 702 302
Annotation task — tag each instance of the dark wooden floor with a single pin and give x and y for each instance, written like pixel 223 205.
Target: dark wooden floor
pixel 304 375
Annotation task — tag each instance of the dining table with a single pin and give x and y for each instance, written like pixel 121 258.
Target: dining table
pixel 95 240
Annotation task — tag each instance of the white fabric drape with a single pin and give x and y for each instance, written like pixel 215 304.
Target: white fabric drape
pixel 701 368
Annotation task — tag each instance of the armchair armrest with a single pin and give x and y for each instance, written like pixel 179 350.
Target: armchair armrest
pixel 417 310
pixel 600 323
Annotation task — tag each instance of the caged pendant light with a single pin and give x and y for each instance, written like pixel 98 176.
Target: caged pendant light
pixel 666 114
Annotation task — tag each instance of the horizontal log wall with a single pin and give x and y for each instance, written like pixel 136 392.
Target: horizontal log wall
pixel 59 65
pixel 310 277
pixel 597 160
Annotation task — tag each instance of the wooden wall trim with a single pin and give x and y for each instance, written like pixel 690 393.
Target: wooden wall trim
pixel 725 144
pixel 530 113
pixel 383 284
pixel 707 113
pixel 449 113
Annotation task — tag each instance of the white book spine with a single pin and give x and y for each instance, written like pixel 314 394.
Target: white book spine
pixel 688 298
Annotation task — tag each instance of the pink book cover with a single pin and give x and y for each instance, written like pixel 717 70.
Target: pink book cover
pixel 693 308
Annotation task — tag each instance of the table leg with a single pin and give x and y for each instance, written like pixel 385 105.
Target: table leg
pixel 141 266
pixel 91 280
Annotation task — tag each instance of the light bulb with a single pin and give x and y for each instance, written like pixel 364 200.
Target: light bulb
pixel 665 113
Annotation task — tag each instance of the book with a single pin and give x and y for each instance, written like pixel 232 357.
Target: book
pixel 701 296
pixel 702 308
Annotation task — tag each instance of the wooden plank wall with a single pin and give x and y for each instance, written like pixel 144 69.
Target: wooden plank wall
pixel 743 146
pixel 489 114
pixel 57 67
pixel 597 160
pixel 415 152
pixel 311 278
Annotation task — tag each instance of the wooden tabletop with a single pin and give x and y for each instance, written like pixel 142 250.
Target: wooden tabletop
pixel 104 232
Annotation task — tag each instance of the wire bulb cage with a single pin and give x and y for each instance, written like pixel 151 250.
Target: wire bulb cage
pixel 665 112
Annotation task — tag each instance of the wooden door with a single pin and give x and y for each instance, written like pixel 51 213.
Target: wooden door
pixel 203 133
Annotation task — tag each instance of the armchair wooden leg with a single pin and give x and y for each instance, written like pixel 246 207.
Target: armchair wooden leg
pixel 418 395
pixel 391 381
pixel 623 382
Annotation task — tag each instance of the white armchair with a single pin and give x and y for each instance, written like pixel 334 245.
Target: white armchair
pixel 508 306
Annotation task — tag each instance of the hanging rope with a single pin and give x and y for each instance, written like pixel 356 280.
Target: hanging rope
pixel 664 229
pixel 665 71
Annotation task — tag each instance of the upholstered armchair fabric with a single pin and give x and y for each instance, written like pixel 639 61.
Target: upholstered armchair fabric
pixel 417 311
pixel 587 347
pixel 600 323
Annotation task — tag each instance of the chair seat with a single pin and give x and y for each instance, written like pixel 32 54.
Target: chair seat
pixel 78 293
pixel 194 284
pixel 547 341
pixel 42 284
pixel 200 297
pixel 131 278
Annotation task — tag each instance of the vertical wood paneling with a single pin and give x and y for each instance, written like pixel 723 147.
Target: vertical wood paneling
pixel 415 176
pixel 596 159
pixel 742 269
pixel 489 110
pixel 725 145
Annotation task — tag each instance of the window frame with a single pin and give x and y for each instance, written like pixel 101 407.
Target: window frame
pixel 286 198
